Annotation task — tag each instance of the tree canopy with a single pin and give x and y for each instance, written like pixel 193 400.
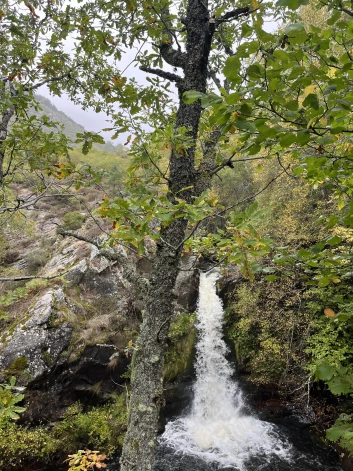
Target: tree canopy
pixel 241 93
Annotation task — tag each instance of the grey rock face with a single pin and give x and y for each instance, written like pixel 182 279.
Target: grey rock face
pixel 76 274
pixel 187 282
pixel 35 342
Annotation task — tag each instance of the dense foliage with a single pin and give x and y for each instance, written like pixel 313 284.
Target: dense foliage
pixel 282 118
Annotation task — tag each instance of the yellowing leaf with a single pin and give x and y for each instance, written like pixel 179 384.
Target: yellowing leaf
pixel 128 140
pixel 329 312
pixel 309 89
pixel 255 4
pixel 340 204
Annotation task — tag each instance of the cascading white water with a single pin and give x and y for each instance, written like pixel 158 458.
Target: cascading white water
pixel 217 429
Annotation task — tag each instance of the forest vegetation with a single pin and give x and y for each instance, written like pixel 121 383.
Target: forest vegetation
pixel 247 164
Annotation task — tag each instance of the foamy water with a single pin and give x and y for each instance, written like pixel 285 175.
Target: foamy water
pixel 217 429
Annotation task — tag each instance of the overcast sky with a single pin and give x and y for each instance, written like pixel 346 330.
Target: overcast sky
pixel 93 121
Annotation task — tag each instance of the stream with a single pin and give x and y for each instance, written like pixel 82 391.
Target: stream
pixel 218 432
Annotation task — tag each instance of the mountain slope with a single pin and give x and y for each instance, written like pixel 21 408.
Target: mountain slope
pixel 71 128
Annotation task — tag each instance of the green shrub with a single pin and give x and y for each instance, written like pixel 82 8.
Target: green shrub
pixel 73 221
pixel 269 327
pixel 36 259
pixel 101 428
pixel 342 432
pixel 10 396
pixel 20 445
pixel 31 287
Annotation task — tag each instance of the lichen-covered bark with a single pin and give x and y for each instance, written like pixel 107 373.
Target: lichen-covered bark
pixel 147 387
pixel 4 126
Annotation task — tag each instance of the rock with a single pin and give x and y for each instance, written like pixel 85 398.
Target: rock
pixel 70 254
pixel 91 379
pixel 187 283
pixel 105 276
pixel 34 346
pixel 98 262
pixel 76 274
pixel 49 226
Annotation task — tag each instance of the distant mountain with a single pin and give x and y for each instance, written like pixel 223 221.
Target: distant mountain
pixel 71 128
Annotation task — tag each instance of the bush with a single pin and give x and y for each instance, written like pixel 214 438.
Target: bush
pixel 36 259
pixel 73 221
pixel 101 428
pixel 19 445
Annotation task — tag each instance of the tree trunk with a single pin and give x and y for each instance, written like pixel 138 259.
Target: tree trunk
pixel 4 126
pixel 147 382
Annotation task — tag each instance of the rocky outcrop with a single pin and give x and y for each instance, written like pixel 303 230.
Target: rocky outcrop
pixel 34 345
pixel 72 343
pixel 91 380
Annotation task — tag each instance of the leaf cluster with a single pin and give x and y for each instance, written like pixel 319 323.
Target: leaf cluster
pixel 10 397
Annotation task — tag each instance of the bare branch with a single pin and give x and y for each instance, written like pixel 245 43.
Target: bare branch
pixel 171 56
pixel 161 73
pixel 345 10
pixel 191 233
pixel 234 14
pixel 35 277
pixel 212 74
pixel 230 163
pixel 249 198
pixel 285 169
pixel 49 80
pixel 3 134
pixel 32 199
pixel 167 26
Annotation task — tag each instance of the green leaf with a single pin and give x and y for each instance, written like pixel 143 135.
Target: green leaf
pixel 255 71
pixel 232 68
pixel 334 240
pixel 324 371
pixel 233 98
pixel 287 140
pixel 246 30
pixel 191 96
pixel 311 101
pixel 324 281
pixel 335 17
pixel 271 278
pixel 338 386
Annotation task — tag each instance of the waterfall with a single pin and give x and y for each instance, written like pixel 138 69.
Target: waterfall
pixel 217 429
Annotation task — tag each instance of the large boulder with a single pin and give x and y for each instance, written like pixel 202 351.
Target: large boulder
pixel 91 379
pixel 33 346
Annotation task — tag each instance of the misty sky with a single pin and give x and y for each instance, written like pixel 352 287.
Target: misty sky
pixel 93 121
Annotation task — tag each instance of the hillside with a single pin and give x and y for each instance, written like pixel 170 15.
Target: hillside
pixel 71 128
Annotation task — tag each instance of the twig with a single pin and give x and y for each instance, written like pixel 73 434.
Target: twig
pixel 161 73
pixel 35 277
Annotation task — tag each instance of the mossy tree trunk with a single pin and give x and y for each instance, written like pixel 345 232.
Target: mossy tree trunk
pixel 147 382
pixel 184 181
